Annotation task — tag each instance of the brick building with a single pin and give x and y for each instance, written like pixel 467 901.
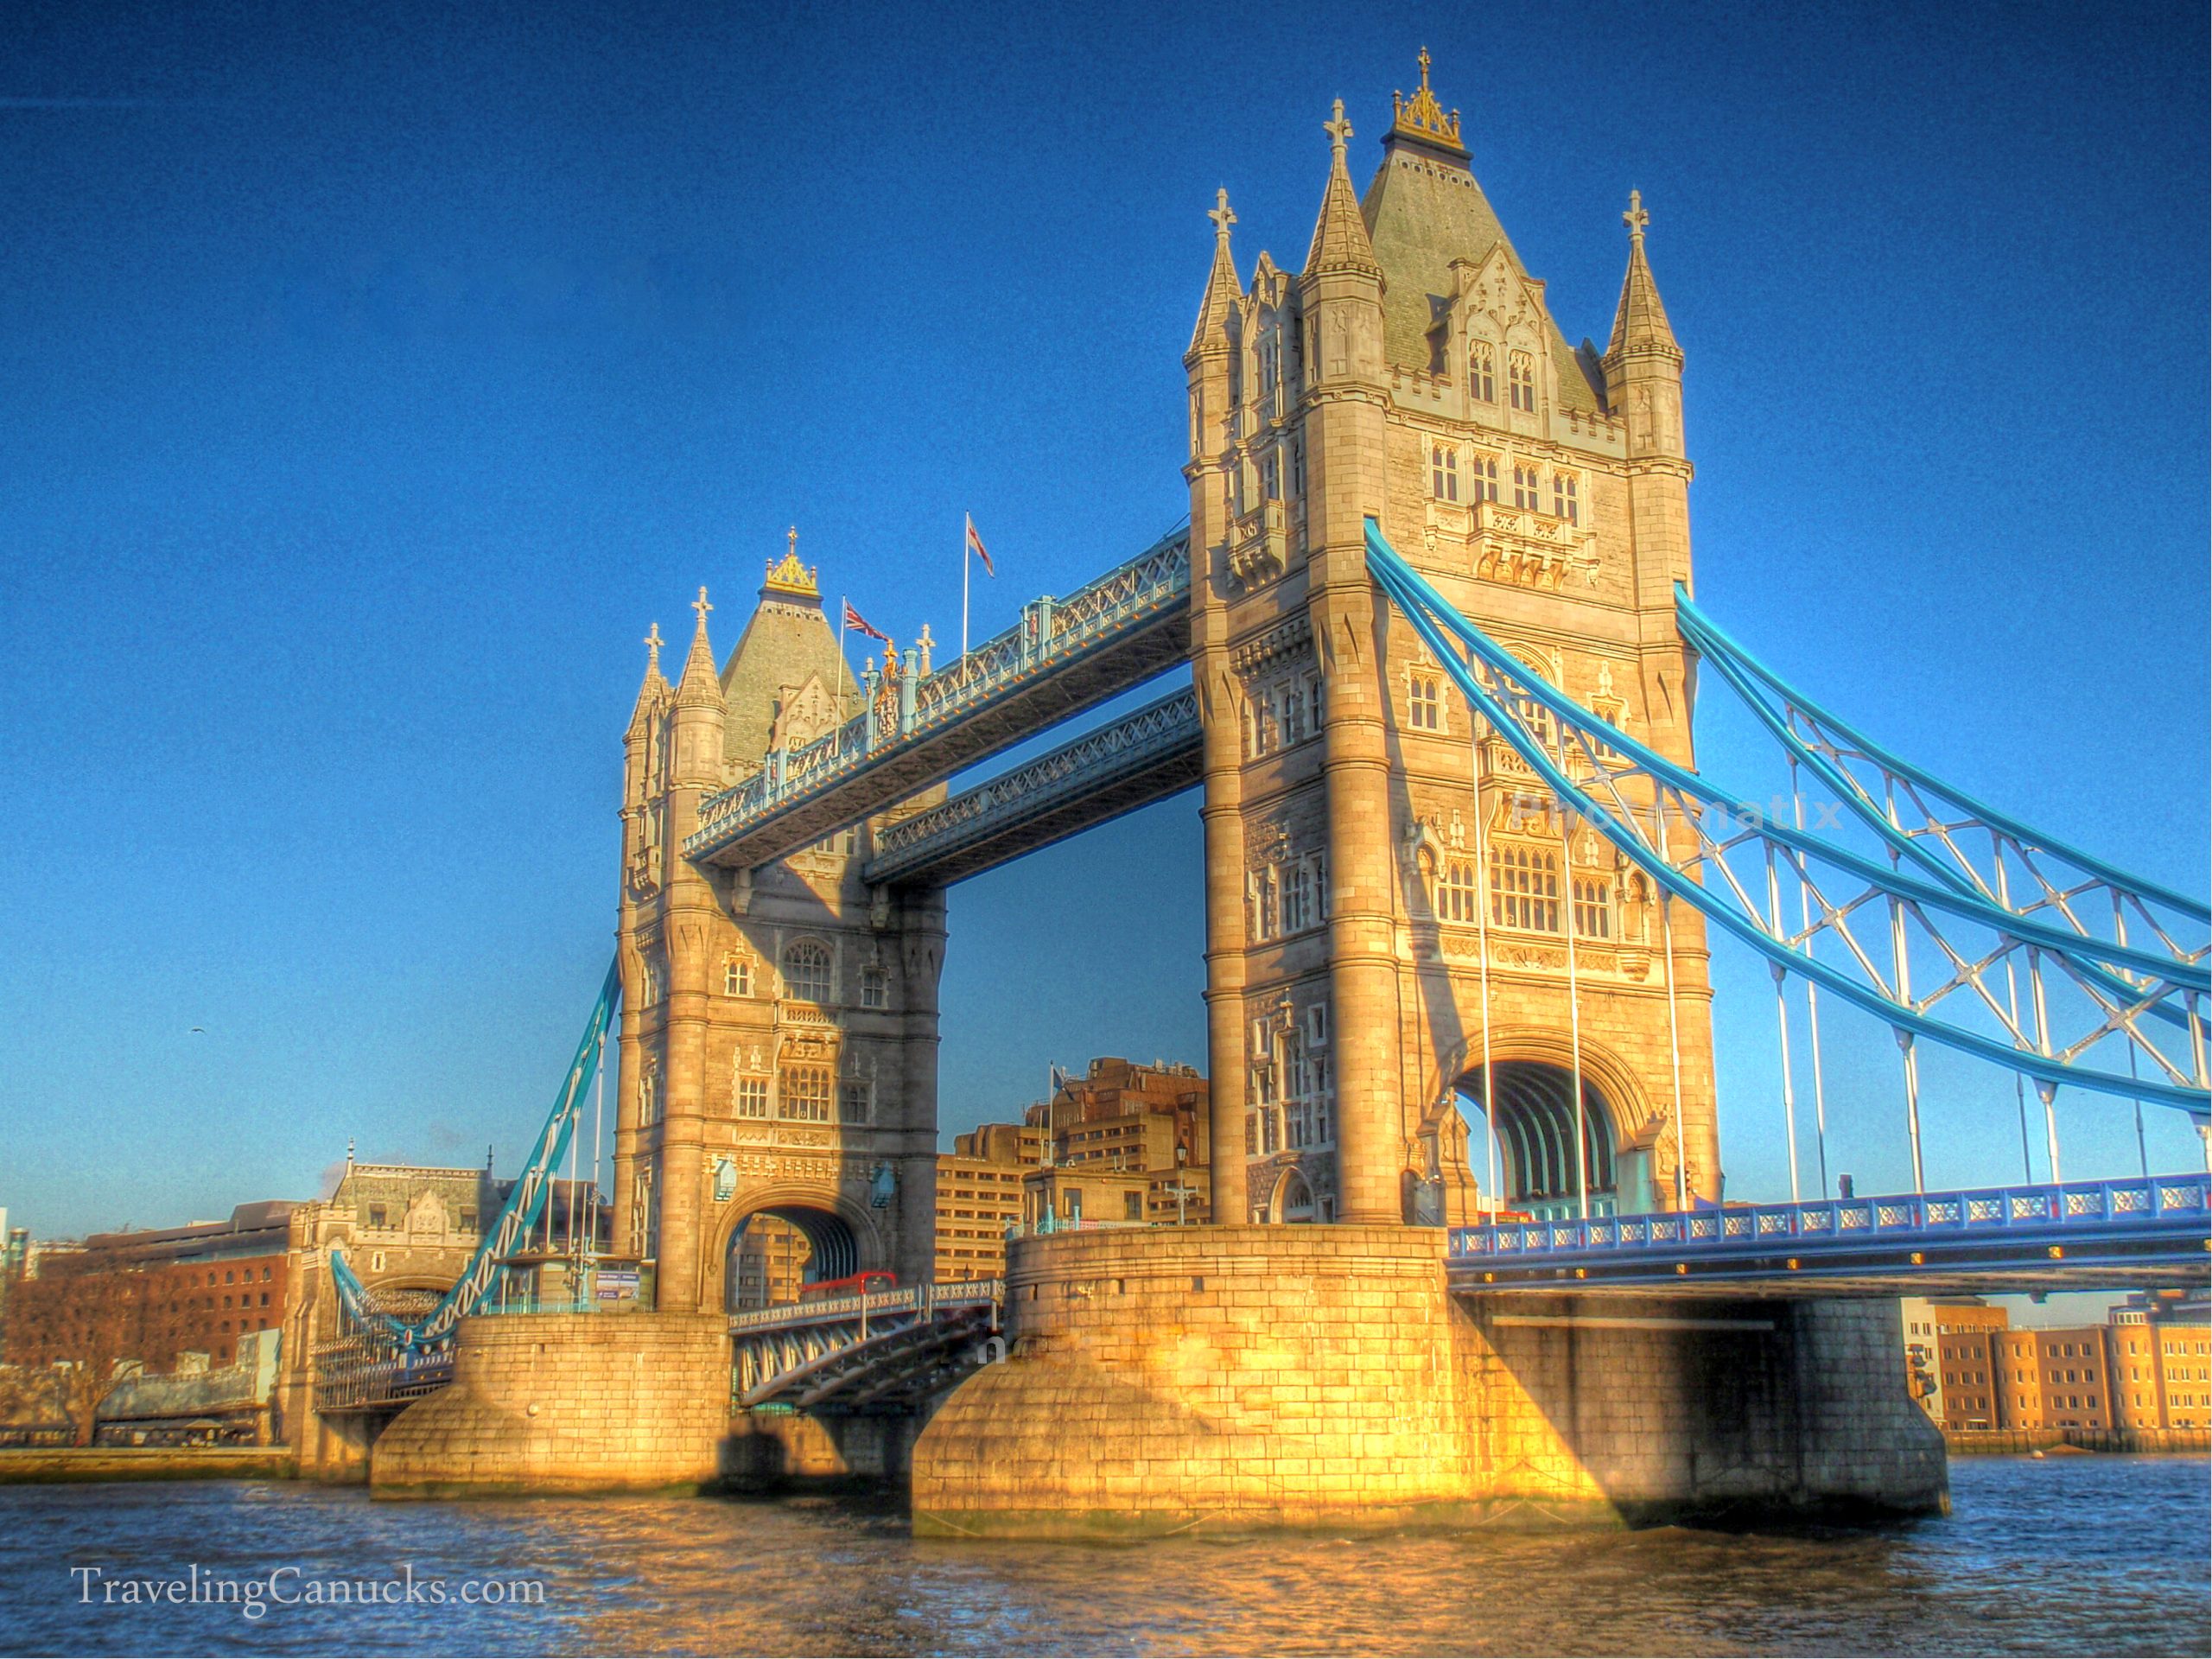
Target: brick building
pixel 2135 1371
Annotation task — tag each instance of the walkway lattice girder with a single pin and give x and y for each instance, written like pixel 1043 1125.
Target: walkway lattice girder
pixel 1145 756
pixel 1064 657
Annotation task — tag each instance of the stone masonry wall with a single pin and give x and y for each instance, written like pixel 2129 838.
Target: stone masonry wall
pixel 1644 1406
pixel 1162 1380
pixel 566 1402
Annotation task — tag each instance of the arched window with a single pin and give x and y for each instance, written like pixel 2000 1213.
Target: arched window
pixel 1593 908
pixel 1525 494
pixel 1444 472
pixel 1424 707
pixel 804 1094
pixel 1456 896
pixel 1297 910
pixel 806 971
pixel 1565 502
pixel 1481 372
pixel 1520 383
pixel 1525 888
pixel 1485 471
pixel 649 1096
pixel 874 990
pixel 749 1095
pixel 737 977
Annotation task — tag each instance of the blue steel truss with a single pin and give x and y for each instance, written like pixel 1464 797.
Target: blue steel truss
pixel 925 728
pixel 1949 834
pixel 1693 839
pixel 1125 764
pixel 525 1202
pixel 2158 1222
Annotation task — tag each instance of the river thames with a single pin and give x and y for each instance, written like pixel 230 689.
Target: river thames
pixel 2065 1554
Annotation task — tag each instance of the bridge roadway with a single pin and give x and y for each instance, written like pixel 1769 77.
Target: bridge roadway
pixel 887 1351
pixel 2078 1235
pixel 1064 657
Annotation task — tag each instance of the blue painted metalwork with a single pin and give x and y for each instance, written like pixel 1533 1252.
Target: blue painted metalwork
pixel 1136 744
pixel 1972 936
pixel 860 1353
pixel 525 1202
pixel 1053 635
pixel 2082 1222
pixel 1943 829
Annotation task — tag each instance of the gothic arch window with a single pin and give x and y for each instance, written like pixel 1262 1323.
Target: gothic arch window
pixel 1525 492
pixel 803 1094
pixel 1297 467
pixel 1566 498
pixel 649 1095
pixel 748 1096
pixel 1481 372
pixel 1524 887
pixel 1593 907
pixel 1483 473
pixel 1456 893
pixel 1424 702
pixel 806 971
pixel 1271 476
pixel 1444 472
pixel 875 987
pixel 737 977
pixel 1520 383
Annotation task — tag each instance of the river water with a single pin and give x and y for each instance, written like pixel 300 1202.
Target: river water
pixel 2065 1554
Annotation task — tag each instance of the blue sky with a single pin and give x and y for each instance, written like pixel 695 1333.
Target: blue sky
pixel 370 378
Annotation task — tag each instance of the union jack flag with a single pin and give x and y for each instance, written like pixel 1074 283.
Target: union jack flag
pixel 859 624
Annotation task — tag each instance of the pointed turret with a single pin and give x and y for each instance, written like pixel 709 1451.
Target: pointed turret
pixel 700 682
pixel 1640 322
pixel 654 691
pixel 1340 241
pixel 700 711
pixel 1644 365
pixel 1222 289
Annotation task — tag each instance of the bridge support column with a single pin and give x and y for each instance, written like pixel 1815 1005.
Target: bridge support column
pixel 1232 1377
pixel 566 1402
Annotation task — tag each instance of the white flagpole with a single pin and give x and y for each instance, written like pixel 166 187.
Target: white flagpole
pixel 844 610
pixel 968 531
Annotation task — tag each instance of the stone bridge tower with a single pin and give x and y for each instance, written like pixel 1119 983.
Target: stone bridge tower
pixel 777 1077
pixel 1365 840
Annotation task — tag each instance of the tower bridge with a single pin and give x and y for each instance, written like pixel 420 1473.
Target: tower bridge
pixel 1462 879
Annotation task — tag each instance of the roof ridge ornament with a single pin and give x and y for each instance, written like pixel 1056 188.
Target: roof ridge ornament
pixel 787 575
pixel 1636 219
pixel 1422 119
pixel 1222 218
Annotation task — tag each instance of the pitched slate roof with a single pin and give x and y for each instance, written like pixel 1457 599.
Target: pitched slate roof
pixel 1423 210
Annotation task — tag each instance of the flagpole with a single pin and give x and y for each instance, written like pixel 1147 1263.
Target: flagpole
pixel 968 531
pixel 844 610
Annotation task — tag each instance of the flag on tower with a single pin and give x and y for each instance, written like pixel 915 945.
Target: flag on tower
pixel 976 546
pixel 859 624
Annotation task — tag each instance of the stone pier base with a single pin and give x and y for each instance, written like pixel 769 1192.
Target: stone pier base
pixel 1168 1380
pixel 566 1402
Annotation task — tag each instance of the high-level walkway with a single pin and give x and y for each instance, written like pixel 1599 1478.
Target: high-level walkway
pixel 1064 657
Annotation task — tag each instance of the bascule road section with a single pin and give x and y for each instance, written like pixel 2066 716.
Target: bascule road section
pixel 1063 656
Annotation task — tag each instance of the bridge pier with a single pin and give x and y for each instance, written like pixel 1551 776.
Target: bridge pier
pixel 566 1402
pixel 1255 1376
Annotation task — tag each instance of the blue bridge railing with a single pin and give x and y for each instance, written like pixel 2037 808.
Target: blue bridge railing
pixel 2084 1211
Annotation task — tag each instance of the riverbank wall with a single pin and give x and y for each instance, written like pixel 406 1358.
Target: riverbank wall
pixel 45 1466
pixel 2013 1442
